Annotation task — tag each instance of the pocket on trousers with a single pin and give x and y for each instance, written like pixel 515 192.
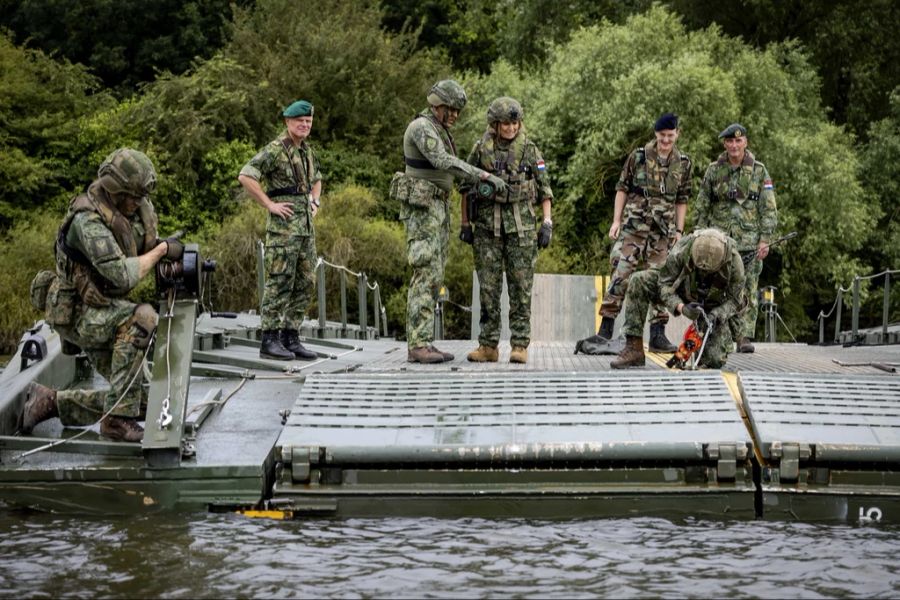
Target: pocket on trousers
pixel 419 253
pixel 61 304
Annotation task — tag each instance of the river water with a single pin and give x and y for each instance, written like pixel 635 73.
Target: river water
pixel 226 555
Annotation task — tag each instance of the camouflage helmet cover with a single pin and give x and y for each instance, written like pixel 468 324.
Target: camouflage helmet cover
pixel 448 93
pixel 708 251
pixel 506 110
pixel 127 171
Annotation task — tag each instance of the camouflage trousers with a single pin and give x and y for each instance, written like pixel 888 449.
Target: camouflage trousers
pixel 493 256
pixel 634 251
pixel 644 291
pixel 427 245
pixel 290 266
pixel 112 341
pixel 744 324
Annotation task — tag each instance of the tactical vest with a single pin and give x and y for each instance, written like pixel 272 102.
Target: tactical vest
pixel 648 180
pixel 420 167
pixel 95 200
pixel 510 166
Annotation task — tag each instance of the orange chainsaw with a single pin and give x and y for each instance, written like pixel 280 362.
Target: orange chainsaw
pixel 693 343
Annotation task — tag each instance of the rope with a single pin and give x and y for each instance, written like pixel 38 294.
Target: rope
pixel 345 269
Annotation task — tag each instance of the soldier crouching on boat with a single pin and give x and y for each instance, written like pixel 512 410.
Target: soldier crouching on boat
pixel 702 273
pixel 106 245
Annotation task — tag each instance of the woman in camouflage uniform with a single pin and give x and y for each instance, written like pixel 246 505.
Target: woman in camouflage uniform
pixel 502 233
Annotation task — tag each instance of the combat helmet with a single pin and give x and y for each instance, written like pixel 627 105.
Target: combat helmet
pixel 127 171
pixel 505 110
pixel 448 93
pixel 708 251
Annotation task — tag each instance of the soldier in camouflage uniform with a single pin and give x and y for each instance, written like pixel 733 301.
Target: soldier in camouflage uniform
pixel 106 245
pixel 738 197
pixel 503 236
pixel 652 193
pixel 423 191
pixel 703 271
pixel 289 169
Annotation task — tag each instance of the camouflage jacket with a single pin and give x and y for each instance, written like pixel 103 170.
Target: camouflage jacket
pixel 272 167
pixel 96 235
pixel 680 281
pixel 652 190
pixel 430 154
pixel 519 163
pixel 738 200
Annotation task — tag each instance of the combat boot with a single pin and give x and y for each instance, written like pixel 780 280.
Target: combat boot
pixel 484 354
pixel 425 355
pixel 606 327
pixel 121 429
pixel 632 355
pixel 290 339
pixel 519 354
pixel 745 346
pixel 271 346
pixel 446 355
pixel 40 405
pixel 658 340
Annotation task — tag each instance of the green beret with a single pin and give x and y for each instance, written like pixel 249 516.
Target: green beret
pixel 735 130
pixel 300 108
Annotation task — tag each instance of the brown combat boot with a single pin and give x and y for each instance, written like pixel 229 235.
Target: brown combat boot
pixel 446 355
pixel 484 354
pixel 121 429
pixel 424 354
pixel 745 346
pixel 40 405
pixel 519 354
pixel 632 355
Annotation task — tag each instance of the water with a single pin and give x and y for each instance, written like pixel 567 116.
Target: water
pixel 213 556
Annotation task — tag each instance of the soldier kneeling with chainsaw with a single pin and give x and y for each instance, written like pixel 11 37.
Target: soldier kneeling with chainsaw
pixel 703 274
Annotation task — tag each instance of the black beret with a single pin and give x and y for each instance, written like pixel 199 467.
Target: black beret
pixel 666 121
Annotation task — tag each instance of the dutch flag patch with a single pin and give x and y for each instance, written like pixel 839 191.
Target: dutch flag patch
pixel 767 184
pixel 541 166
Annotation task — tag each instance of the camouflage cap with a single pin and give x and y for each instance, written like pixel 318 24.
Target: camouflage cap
pixel 447 93
pixel 505 109
pixel 300 108
pixel 127 171
pixel 708 250
pixel 735 130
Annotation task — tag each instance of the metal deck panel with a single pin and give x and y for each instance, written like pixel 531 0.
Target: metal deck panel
pixel 802 358
pixel 410 413
pixel 847 417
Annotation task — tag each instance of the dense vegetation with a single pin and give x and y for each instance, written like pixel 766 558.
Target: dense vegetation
pixel 821 101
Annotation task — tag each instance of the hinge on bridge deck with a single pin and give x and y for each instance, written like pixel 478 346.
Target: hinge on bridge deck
pixel 301 461
pixel 727 456
pixel 790 455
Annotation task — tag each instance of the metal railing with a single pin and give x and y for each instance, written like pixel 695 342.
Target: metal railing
pixel 854 318
pixel 363 287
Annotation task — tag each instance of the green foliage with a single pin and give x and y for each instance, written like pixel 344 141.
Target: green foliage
pixel 879 171
pixel 25 249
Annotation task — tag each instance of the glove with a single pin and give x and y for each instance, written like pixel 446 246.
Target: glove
pixel 545 234
pixel 87 289
pixel 692 311
pixel 466 235
pixel 498 183
pixel 174 248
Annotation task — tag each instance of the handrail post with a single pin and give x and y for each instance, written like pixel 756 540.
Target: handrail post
pixel 821 329
pixel 260 271
pixel 886 308
pixel 363 317
pixel 343 303
pixel 837 318
pixel 376 306
pixel 854 319
pixel 320 283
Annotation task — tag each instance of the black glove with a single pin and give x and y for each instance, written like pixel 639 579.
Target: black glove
pixel 692 311
pixel 466 235
pixel 545 234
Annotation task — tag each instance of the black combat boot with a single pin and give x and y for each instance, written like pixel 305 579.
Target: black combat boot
pixel 121 429
pixel 606 327
pixel 658 340
pixel 290 339
pixel 632 355
pixel 40 405
pixel 271 346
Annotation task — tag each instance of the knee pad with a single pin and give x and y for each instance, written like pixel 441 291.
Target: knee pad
pixel 143 321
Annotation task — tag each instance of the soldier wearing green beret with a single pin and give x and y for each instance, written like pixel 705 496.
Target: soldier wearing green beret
pixel 289 170
pixel 106 245
pixel 650 206
pixel 737 196
pixel 423 191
